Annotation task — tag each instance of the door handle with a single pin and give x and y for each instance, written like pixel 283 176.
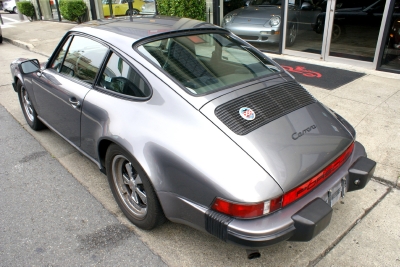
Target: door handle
pixel 74 102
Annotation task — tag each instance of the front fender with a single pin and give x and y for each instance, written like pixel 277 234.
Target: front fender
pixel 16 73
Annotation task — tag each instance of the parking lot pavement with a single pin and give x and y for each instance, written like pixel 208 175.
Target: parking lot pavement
pixel 177 245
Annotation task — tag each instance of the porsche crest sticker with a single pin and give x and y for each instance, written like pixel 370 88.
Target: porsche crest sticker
pixel 247 114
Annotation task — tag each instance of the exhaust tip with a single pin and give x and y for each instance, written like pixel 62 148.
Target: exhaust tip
pixel 253 254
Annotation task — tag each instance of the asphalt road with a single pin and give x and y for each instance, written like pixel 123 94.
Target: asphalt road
pixel 10 18
pixel 47 218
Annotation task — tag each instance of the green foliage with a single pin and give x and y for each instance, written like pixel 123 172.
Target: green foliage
pixel 73 10
pixel 26 8
pixel 195 9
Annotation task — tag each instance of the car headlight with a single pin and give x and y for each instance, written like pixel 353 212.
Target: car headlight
pixel 228 18
pixel 274 21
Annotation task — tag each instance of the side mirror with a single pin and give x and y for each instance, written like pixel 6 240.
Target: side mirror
pixel 306 6
pixel 29 66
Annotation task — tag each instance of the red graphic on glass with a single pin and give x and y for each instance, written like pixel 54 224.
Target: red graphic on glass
pixel 302 70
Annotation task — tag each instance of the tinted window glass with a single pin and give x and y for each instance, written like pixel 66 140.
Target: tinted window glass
pixel 207 62
pixel 58 60
pixel 83 59
pixel 119 77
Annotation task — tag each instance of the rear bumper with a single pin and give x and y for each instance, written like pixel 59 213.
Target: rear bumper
pixel 304 219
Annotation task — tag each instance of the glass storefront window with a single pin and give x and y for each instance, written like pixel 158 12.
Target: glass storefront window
pixel 356 28
pixel 257 22
pixel 302 31
pixel 391 54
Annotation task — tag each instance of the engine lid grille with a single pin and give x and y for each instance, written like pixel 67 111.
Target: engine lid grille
pixel 268 104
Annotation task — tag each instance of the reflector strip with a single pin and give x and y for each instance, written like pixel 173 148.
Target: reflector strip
pixel 308 186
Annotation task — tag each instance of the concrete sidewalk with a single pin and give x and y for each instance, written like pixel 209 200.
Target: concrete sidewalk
pixel 370 103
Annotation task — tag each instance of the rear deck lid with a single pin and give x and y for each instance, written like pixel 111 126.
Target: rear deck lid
pixel 291 135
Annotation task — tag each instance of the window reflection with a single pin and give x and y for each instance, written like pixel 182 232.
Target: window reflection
pixel 83 59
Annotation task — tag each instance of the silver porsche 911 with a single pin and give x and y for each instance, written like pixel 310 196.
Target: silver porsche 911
pixel 261 22
pixel 194 125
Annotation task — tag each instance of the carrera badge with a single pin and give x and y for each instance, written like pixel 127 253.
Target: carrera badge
pixel 247 114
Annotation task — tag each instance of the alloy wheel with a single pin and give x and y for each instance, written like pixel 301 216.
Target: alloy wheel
pixel 129 186
pixel 27 104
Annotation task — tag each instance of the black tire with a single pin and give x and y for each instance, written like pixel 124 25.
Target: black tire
pixel 291 34
pixel 132 189
pixel 1 39
pixel 15 10
pixel 28 109
pixel 134 12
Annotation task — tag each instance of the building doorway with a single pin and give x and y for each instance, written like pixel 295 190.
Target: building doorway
pixel 340 30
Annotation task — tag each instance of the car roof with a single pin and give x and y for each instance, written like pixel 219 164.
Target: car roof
pixel 144 26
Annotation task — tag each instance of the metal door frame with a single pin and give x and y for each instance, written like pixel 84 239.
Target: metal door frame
pixel 326 41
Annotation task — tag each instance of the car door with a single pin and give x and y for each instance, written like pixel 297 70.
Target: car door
pixel 120 93
pixel 60 89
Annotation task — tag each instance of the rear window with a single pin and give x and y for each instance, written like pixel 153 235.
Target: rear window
pixel 204 63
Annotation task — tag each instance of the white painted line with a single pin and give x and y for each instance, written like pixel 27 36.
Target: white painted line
pixel 15 20
pixel 7 26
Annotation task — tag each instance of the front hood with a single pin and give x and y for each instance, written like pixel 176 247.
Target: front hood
pixel 255 14
pixel 292 136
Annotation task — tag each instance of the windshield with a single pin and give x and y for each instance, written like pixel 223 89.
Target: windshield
pixel 204 63
pixel 265 3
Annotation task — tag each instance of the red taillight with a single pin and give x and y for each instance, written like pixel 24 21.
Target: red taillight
pixel 306 187
pixel 238 210
pixel 246 210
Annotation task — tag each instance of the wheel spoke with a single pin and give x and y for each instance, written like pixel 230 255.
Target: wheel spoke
pixel 129 171
pixel 142 195
pixel 125 178
pixel 135 197
pixel 138 180
pixel 27 100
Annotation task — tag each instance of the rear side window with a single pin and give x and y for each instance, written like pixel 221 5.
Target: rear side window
pixel 121 78
pixel 83 59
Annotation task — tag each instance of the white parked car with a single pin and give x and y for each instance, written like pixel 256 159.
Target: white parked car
pixel 10 6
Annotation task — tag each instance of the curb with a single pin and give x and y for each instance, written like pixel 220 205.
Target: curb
pixel 21 44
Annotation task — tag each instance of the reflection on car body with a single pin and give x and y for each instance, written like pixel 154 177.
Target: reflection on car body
pixel 192 124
